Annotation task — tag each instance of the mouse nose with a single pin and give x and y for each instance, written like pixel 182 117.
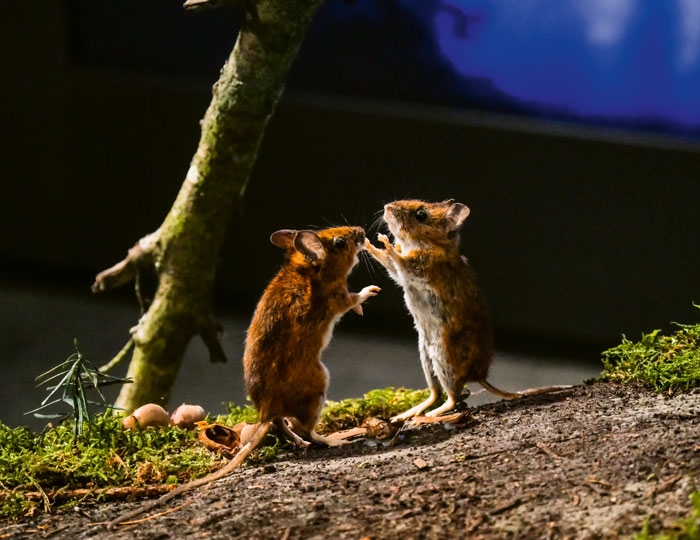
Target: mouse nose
pixel 359 235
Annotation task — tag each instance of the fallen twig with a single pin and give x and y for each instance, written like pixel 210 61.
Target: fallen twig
pixel 159 514
pixel 594 484
pixel 507 506
pixel 547 450
pixel 665 485
pixel 57 530
pixel 111 494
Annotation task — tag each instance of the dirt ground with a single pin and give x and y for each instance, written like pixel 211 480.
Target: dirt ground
pixel 592 462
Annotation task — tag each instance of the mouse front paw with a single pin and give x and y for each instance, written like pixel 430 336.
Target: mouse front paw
pixel 370 290
pixel 374 251
pixel 384 239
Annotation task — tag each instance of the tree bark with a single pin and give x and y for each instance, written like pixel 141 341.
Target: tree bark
pixel 184 251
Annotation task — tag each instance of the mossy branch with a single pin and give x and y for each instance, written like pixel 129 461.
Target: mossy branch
pixel 183 252
pixel 197 5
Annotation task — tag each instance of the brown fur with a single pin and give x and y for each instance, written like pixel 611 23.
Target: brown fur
pixel 426 250
pixel 466 335
pixel 291 326
pixel 282 365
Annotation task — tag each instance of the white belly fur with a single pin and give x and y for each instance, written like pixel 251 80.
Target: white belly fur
pixel 428 316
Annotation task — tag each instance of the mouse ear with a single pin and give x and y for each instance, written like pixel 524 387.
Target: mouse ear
pixel 309 244
pixel 456 215
pixel 283 239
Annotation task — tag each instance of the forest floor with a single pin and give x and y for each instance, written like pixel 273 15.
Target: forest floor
pixel 592 462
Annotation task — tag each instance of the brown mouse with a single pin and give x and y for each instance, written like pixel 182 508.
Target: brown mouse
pixel 441 292
pixel 292 325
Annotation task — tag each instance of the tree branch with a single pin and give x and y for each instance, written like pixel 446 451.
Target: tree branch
pixel 183 252
pixel 200 5
pixel 120 356
pixel 138 257
pixel 212 332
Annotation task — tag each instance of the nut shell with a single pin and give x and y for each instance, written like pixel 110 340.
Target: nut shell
pixel 148 415
pixel 220 438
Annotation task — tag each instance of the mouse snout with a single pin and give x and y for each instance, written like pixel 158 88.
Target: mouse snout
pixel 389 210
pixel 359 235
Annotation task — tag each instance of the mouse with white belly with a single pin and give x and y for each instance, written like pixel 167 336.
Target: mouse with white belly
pixel 441 291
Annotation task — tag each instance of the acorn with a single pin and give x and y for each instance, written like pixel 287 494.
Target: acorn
pixel 186 416
pixel 148 415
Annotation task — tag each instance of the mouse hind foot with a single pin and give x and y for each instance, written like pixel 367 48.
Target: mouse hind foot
pixel 415 411
pixel 449 404
pixel 328 441
pixel 309 434
pixel 285 426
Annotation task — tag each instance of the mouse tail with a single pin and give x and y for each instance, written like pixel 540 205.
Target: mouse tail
pixel 523 393
pixel 253 441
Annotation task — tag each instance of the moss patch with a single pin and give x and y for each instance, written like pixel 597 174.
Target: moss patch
pixel 663 363
pixel 382 403
pixel 107 455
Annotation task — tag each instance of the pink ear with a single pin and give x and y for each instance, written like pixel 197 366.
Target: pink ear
pixel 456 216
pixel 308 244
pixel 283 239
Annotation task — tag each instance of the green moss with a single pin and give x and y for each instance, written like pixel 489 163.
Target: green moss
pixel 382 403
pixel 345 414
pixel 237 414
pixel 664 363
pixel 107 455
pixel 686 529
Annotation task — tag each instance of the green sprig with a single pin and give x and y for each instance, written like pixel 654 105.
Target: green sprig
pixel 76 376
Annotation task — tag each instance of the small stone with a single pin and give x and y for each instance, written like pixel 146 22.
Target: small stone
pixel 420 463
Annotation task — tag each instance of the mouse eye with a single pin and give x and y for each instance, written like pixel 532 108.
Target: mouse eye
pixel 339 242
pixel 421 215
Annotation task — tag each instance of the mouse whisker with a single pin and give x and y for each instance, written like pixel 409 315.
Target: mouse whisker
pixel 377 223
pixel 367 262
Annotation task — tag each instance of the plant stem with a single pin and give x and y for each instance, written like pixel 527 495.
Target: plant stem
pixel 120 356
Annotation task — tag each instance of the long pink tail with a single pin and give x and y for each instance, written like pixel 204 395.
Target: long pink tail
pixel 523 393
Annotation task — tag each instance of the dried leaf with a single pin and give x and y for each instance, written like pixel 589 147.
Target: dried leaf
pixel 348 433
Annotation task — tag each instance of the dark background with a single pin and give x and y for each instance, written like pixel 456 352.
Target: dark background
pixel 578 233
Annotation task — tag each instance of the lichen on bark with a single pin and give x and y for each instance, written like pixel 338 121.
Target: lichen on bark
pixel 184 251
